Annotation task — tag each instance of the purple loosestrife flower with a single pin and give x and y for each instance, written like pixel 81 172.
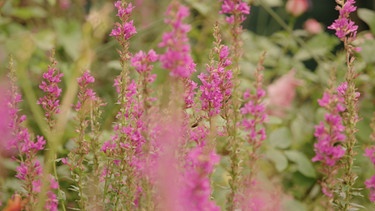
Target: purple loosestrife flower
pixel 257 112
pixel 123 30
pixel 126 29
pixel 331 137
pixel 343 25
pixel 87 133
pixel 50 86
pixel 234 8
pixel 370 183
pixel 86 94
pixel 370 153
pixel 30 169
pixel 6 121
pixel 330 132
pixel 142 61
pixel 217 83
pixel 198 189
pixel 177 57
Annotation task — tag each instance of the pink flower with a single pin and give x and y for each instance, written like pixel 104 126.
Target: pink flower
pixel 5 121
pixel 281 93
pixel 331 132
pixel 370 184
pixel 124 30
pixel 232 7
pixel 85 93
pixel 196 195
pixel 50 101
pixel 312 26
pixel 177 57
pixel 343 25
pixel 217 84
pixel 142 61
pixel 296 7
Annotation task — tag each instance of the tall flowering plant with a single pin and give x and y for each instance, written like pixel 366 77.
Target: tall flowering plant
pixel 342 119
pixel 88 112
pixel 331 138
pixel 235 11
pixel 30 169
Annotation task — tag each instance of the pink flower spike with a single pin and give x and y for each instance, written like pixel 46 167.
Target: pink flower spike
pixel 177 57
pixel 50 86
pixel 343 25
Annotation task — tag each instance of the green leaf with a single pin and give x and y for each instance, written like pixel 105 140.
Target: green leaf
pixel 291 204
pixel 29 12
pixel 367 49
pixel 304 165
pixel 281 138
pixel 368 16
pixel 44 39
pixel 69 36
pixel 201 7
pixel 274 120
pixel 278 158
pixel 319 45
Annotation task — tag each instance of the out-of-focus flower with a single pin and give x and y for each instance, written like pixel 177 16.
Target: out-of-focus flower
pixel 14 204
pixel 5 121
pixel 312 26
pixel 296 7
pixel 232 7
pixel 281 93
pixel 64 4
pixel 370 184
pixel 177 57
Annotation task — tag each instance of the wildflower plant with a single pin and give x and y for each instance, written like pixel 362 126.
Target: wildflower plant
pixel 30 168
pixel 187 130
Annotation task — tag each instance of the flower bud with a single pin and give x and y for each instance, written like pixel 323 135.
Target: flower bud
pixel 312 26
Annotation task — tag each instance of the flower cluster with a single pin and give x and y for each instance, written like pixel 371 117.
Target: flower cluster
pixel 177 57
pixel 30 169
pixel 85 93
pixel 198 189
pixel 217 84
pixel 370 183
pixel 343 25
pixel 142 61
pixel 126 29
pixel 257 111
pixel 331 133
pixel 234 8
pixel 50 86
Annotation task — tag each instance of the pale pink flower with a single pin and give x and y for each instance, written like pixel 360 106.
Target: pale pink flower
pixel 281 93
pixel 312 26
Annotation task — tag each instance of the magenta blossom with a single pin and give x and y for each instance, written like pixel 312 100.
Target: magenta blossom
pixel 331 132
pixel 124 30
pixel 343 25
pixel 177 57
pixel 50 102
pixel 234 7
